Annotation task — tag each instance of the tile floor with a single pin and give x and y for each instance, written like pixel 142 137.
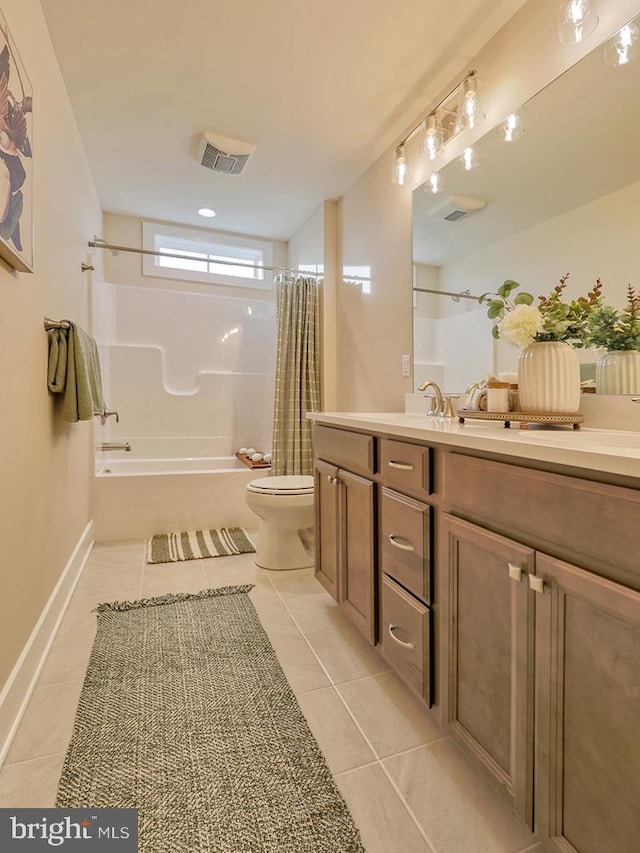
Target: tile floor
pixel 407 787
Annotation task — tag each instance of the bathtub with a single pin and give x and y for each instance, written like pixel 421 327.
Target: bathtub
pixel 135 495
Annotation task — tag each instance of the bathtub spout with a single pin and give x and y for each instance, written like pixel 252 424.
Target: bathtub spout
pixel 114 445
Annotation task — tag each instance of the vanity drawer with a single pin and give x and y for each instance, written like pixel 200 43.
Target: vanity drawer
pixel 406 542
pixel 406 637
pixel 407 467
pixel 351 450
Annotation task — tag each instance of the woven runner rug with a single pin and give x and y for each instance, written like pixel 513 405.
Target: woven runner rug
pixel 186 715
pixel 198 544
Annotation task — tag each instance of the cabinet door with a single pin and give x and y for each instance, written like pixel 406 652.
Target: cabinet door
pixel 327 527
pixel 588 711
pixel 358 551
pixel 488 655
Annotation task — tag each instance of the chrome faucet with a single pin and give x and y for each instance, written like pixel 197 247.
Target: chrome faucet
pixel 114 445
pixel 437 395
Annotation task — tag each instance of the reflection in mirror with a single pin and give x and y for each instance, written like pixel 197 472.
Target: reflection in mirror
pixel 564 197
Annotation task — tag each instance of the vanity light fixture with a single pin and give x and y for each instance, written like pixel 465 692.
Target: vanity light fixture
pixel 624 47
pixel 511 128
pixel 458 110
pixel 433 141
pixel 433 184
pixel 577 19
pixel 469 110
pixel 401 173
pixel 468 160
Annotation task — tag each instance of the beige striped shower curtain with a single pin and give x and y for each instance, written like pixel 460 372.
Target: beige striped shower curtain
pixel 297 375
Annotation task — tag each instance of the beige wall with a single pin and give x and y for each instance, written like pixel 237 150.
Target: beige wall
pixel 45 468
pixel 374 329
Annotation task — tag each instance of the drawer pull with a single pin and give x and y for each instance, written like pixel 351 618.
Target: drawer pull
pixel 536 584
pixel 403 546
pixel 401 466
pixel 397 640
pixel 515 572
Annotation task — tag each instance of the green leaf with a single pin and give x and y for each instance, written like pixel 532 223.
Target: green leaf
pixel 495 310
pixel 523 299
pixel 506 287
pixel 495 333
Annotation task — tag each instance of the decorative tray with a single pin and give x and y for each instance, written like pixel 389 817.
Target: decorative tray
pixel 251 464
pixel 522 418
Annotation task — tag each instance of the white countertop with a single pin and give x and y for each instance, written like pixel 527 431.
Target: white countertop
pixel 608 451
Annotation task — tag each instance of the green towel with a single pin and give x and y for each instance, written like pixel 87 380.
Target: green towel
pixel 74 372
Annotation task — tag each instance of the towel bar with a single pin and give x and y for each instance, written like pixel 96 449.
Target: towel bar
pixel 55 324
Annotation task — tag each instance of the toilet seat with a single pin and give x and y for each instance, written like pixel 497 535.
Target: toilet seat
pixel 292 484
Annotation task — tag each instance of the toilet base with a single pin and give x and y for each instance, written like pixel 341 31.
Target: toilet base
pixel 280 549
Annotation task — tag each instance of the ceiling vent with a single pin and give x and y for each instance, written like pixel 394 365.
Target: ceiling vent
pixel 226 156
pixel 456 207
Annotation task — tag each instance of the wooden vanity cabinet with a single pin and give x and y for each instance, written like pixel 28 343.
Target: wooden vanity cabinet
pixel 345 522
pixel 541 656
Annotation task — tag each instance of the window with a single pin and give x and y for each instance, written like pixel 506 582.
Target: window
pixel 208 257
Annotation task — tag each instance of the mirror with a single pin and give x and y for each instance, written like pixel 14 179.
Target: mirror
pixel 562 198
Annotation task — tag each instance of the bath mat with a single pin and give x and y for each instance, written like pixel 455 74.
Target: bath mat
pixel 198 544
pixel 186 715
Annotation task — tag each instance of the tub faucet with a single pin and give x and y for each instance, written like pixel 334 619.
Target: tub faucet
pixel 114 445
pixel 437 395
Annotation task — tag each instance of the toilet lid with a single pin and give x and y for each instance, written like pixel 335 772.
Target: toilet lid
pixel 293 484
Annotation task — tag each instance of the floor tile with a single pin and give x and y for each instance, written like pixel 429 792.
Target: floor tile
pixel 164 578
pixel 47 723
pixel 316 613
pixel 275 619
pixel 296 582
pixel 342 744
pixel 112 584
pixel 300 665
pixel 68 658
pixel 385 824
pixel 345 654
pixel 388 714
pixel 79 616
pixel 457 808
pixel 116 555
pixel 31 784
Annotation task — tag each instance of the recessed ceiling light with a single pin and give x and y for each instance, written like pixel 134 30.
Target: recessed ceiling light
pixel 206 211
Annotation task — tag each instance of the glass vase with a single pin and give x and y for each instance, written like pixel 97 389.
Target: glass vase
pixel 549 378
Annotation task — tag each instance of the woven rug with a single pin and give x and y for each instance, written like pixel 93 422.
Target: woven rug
pixel 186 715
pixel 198 544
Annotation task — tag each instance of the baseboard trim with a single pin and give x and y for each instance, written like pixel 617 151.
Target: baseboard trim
pixel 17 691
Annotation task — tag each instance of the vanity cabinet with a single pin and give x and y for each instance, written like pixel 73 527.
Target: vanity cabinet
pixel 345 523
pixel 541 655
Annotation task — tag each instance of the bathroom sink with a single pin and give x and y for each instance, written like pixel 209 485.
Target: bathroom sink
pixel 585 438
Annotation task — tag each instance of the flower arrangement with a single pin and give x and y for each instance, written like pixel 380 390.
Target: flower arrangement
pixel 615 329
pixel 521 323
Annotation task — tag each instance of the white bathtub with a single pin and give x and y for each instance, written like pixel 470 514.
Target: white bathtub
pixel 137 496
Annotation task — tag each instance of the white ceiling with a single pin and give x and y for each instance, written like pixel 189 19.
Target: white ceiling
pixel 320 89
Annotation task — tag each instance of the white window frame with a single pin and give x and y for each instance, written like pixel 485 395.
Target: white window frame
pixel 184 240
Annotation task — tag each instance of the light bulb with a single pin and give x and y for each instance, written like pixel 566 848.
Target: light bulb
pixel 468 160
pixel 511 128
pixel 624 47
pixel 433 142
pixel 401 171
pixel 433 184
pixel 469 112
pixel 577 19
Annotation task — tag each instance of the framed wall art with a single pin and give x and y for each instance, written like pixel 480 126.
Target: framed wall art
pixel 16 156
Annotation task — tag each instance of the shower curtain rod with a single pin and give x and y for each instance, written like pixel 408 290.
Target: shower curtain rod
pixel 465 294
pixel 96 243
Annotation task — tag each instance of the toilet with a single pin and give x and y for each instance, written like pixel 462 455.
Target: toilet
pixel 285 508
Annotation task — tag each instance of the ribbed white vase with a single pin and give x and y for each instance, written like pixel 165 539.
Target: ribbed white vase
pixel 549 378
pixel 618 372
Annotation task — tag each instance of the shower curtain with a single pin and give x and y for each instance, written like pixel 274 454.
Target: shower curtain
pixel 297 388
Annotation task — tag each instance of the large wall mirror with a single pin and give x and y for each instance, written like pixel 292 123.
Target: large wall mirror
pixel 562 198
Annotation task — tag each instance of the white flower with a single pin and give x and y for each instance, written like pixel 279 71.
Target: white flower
pixel 520 326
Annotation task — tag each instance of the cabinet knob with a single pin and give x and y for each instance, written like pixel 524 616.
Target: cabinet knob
pixel 401 466
pixel 400 642
pixel 333 480
pixel 536 584
pixel 402 545
pixel 515 572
